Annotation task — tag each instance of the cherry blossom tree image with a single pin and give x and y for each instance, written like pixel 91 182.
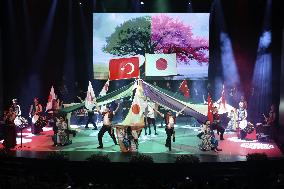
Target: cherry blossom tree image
pixel 169 35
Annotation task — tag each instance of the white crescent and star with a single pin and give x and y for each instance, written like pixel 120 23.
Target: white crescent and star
pixel 131 65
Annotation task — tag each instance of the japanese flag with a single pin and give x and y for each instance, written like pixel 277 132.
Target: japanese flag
pixel 160 65
pixel 138 106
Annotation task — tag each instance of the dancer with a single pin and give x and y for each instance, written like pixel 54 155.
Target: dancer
pixel 216 125
pixel 170 121
pixel 90 119
pixel 107 116
pixel 62 135
pixel 242 120
pixel 150 117
pixel 209 142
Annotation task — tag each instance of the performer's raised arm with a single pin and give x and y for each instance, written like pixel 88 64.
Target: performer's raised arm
pixel 97 107
pixel 181 111
pixel 31 110
pixel 114 112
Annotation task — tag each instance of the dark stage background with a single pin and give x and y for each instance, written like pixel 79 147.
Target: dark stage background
pixel 48 42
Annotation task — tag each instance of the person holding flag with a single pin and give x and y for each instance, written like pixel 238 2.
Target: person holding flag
pixel 90 106
pixel 150 116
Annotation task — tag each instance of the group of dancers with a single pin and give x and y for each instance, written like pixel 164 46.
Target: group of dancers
pixel 61 126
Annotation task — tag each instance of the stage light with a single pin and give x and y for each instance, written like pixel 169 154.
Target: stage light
pixel 142 3
pixel 80 3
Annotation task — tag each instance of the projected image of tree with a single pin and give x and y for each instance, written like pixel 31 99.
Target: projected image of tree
pixel 133 37
pixel 161 33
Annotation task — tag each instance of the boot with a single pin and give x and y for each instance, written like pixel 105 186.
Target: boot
pixel 222 137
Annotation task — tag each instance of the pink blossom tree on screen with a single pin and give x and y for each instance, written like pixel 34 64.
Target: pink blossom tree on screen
pixel 169 35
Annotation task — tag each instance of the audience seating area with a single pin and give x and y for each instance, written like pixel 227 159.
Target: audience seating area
pixel 40 174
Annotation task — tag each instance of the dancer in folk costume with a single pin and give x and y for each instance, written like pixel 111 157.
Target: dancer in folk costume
pixel 208 140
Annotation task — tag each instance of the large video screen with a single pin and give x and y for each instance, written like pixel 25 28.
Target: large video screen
pixel 118 35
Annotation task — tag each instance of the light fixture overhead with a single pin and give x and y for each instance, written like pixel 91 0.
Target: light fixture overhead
pixel 142 2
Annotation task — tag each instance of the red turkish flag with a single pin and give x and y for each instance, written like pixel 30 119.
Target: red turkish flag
pixel 223 100
pixel 210 109
pixel 124 68
pixel 184 88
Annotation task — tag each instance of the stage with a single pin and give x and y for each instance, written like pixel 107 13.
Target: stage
pixel 85 144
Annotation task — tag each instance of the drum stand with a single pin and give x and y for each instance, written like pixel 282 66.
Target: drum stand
pixel 21 138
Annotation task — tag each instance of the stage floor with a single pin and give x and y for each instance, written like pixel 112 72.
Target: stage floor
pixel 85 144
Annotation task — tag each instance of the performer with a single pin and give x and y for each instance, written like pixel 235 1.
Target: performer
pixel 270 120
pixel 107 116
pixel 242 119
pixel 52 123
pixel 36 115
pixel 170 121
pixel 17 111
pixel 216 125
pixel 150 117
pixel 130 137
pixel 245 106
pixel 209 142
pixel 19 120
pixel 62 135
pixel 233 120
pixel 10 129
pixel 90 119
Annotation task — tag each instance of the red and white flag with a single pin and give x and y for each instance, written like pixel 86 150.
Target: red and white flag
pixel 184 89
pixel 124 68
pixel 160 65
pixel 210 108
pixel 222 103
pixel 51 97
pixel 90 98
pixel 104 89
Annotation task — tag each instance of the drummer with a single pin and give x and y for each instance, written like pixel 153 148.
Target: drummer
pixel 35 113
pixel 242 119
pixel 16 107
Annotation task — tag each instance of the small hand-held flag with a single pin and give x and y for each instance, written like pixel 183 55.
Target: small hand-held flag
pixel 51 97
pixel 210 109
pixel 90 98
pixel 184 89
pixel 104 89
pixel 222 101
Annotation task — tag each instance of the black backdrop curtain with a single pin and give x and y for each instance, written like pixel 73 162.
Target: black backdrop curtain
pixel 45 43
